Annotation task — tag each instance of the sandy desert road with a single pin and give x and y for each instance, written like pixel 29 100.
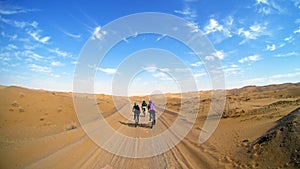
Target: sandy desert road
pixel 82 152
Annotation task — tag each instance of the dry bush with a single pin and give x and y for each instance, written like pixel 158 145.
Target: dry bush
pixel 21 109
pixel 71 126
pixel 15 104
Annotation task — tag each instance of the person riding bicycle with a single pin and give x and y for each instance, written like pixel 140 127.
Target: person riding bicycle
pixel 144 107
pixel 136 111
pixel 151 108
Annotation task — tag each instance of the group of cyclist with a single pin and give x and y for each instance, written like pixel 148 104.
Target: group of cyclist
pixel 145 107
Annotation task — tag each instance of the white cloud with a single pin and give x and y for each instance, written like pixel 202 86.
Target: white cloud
pixel 209 57
pixel 60 52
pixel 188 13
pixel 232 69
pixel 36 56
pixel 11 47
pixel 197 64
pixel 297 31
pixel 285 75
pixel 98 33
pixel 217 54
pixel 7 9
pixel 162 76
pixel 289 39
pixel 194 27
pixel 277 78
pixel 249 58
pixel 182 69
pixel 262 2
pixel 271 47
pixel 267 7
pixel 19 24
pixel 253 32
pixel 57 63
pixel 200 74
pixel 212 26
pixel 36 36
pixel 153 69
pixel 164 69
pixel 76 36
pixel 107 70
pixel 54 75
pixel 161 37
pixel 37 68
pixel 286 54
pixel 297 3
pixel 150 68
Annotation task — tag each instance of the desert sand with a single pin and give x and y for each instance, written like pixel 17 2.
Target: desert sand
pixel 259 129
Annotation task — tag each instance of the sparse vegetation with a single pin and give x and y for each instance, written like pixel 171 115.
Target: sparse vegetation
pixel 42 118
pixel 71 126
pixel 21 95
pixel 21 109
pixel 15 104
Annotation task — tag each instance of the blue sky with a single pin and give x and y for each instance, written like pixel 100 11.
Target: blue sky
pixel 257 42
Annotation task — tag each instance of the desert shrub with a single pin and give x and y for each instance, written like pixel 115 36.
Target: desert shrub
pixel 21 95
pixel 71 126
pixel 42 118
pixel 15 104
pixel 21 109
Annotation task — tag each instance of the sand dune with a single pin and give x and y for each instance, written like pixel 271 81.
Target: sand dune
pixel 259 129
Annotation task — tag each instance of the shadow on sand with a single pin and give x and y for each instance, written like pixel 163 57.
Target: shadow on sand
pixel 139 125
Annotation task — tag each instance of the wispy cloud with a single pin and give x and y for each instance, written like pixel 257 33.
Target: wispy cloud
pixel 187 12
pixel 297 30
pixel 76 36
pixel 296 3
pixel 41 69
pixel 11 47
pixel 160 37
pixel 98 33
pixel 277 78
pixel 150 68
pixel 200 74
pixel 250 58
pixel 153 69
pixel 18 24
pixel 8 9
pixel 37 37
pixel 271 47
pixel 254 31
pixel 267 7
pixel 289 39
pixel 196 64
pixel 218 54
pixel 287 54
pixel 57 63
pixel 59 52
pixel 232 69
pixel 107 70
pixel 162 76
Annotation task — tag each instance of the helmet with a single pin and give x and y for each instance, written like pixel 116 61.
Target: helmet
pixel 135 103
